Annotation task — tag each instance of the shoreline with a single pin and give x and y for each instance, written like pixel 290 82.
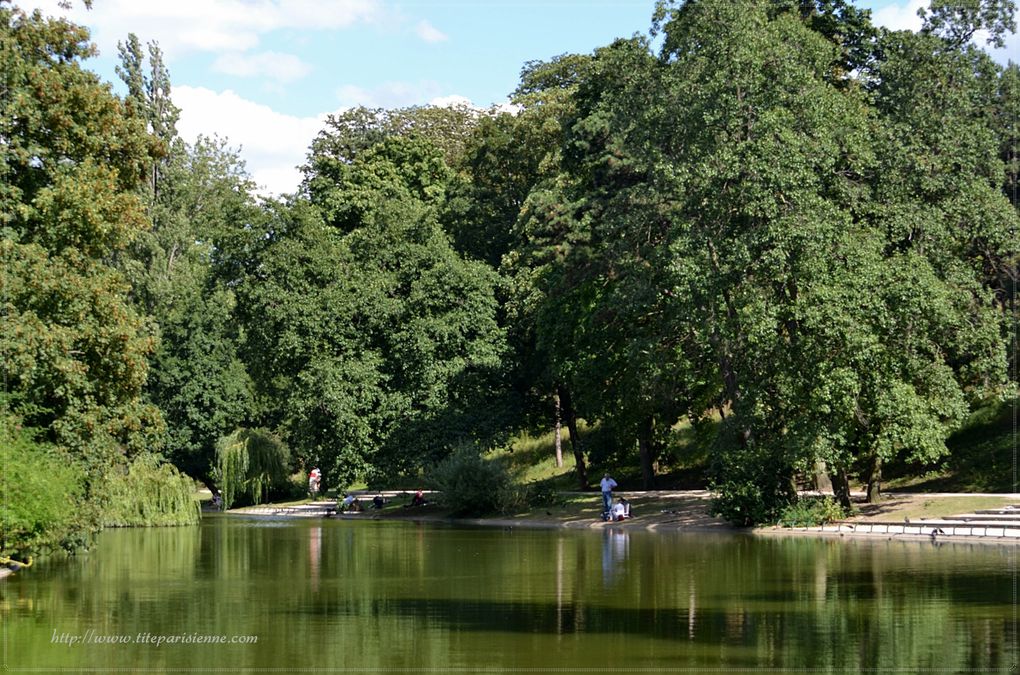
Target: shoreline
pixel 688 511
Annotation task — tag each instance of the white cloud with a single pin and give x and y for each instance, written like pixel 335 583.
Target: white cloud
pixel 900 16
pixel 388 94
pixel 199 25
pixel 429 33
pixel 274 65
pixel 1011 50
pixel 903 16
pixel 452 101
pixel 272 144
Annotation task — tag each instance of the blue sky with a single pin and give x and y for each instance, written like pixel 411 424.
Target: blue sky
pixel 265 73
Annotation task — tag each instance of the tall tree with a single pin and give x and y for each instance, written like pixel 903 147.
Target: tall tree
pixel 75 351
pixel 149 96
pixel 196 195
pixel 375 343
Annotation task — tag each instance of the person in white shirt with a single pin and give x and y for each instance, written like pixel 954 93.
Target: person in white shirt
pixel 621 510
pixel 607 484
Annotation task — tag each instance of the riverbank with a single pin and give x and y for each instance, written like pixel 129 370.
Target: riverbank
pixel 943 516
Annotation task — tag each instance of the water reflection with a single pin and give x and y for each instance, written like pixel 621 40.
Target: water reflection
pixel 314 556
pixel 337 594
pixel 614 553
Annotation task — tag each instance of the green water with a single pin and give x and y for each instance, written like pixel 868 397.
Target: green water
pixel 364 596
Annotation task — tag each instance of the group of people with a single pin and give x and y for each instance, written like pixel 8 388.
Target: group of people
pixel 610 511
pixel 351 504
pixel 620 510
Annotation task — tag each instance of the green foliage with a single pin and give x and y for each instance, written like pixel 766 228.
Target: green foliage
pixel 469 484
pixel 252 465
pixel 753 483
pixel 811 512
pixel 743 223
pixel 544 494
pixel 799 220
pixel 195 194
pixel 150 492
pixel 980 457
pixel 40 492
pixel 75 351
pixel 376 345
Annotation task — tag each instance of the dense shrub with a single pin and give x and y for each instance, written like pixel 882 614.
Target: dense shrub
pixel 811 512
pixel 252 465
pixel 544 494
pixel 753 485
pixel 469 484
pixel 150 492
pixel 40 490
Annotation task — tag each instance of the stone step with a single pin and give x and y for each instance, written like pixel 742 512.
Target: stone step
pixel 929 529
pixel 972 522
pixel 975 518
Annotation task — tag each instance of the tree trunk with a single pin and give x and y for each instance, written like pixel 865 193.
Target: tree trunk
pixel 575 438
pixel 559 431
pixel 646 450
pixel 841 489
pixel 821 481
pixel 875 480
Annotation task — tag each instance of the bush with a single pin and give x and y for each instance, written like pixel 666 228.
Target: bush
pixel 40 495
pixel 251 467
pixel 746 504
pixel 472 485
pixel 150 492
pixel 544 494
pixel 811 512
pixel 754 484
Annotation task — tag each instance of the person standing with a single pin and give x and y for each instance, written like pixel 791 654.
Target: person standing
pixel 607 484
pixel 314 483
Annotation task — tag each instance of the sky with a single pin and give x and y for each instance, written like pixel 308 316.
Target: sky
pixel 264 74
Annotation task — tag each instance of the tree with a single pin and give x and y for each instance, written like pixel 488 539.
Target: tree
pixel 799 216
pixel 75 351
pixel 149 97
pixel 196 196
pixel 374 342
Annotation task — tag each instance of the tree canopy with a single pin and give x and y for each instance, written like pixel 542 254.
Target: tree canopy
pixel 772 219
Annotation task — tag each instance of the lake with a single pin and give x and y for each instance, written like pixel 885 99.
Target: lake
pixel 238 594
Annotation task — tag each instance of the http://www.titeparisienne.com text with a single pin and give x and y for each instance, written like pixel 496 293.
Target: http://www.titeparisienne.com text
pixel 91 637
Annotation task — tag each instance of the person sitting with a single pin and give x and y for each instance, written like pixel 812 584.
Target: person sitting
pixel 349 503
pixel 418 499
pixel 378 502
pixel 621 510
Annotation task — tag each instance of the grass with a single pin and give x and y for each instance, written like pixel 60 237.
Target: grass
pixel 895 508
pixel 980 458
pixel 531 459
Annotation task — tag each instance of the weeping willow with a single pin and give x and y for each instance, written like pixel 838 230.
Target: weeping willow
pixel 150 492
pixel 250 463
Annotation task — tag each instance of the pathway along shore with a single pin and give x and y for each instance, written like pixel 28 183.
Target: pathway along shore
pixel 996 521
